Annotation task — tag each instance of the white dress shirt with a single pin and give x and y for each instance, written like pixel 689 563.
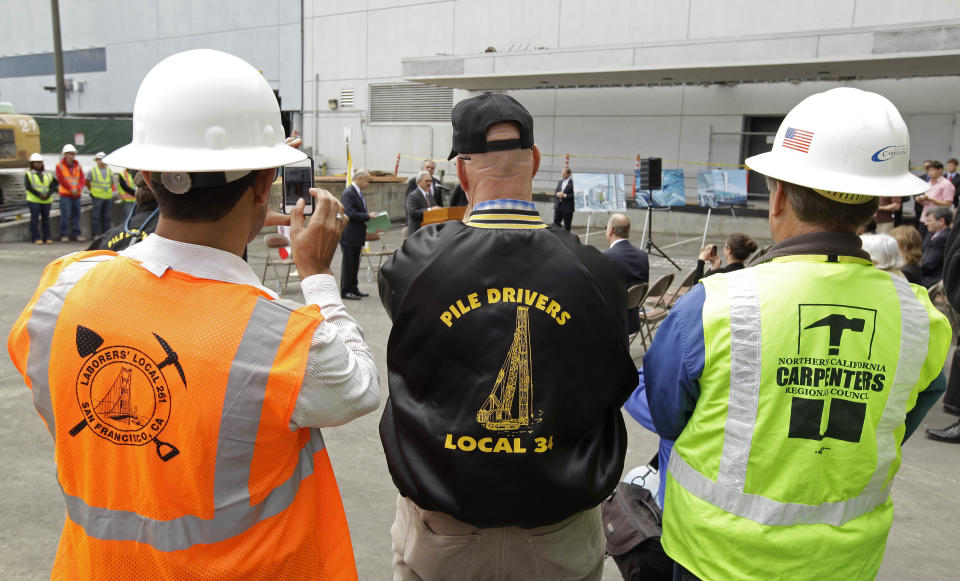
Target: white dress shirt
pixel 341 382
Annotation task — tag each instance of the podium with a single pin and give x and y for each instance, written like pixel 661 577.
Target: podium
pixel 443 215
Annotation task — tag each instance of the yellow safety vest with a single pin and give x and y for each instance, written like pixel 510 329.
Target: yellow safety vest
pixel 41 182
pixel 785 467
pixel 101 184
pixel 128 180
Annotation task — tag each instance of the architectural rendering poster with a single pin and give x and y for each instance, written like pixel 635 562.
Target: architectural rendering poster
pixel 672 193
pixel 722 188
pixel 599 192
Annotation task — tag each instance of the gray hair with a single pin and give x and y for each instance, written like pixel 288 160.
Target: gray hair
pixel 361 173
pixel 423 174
pixel 883 250
pixel 944 213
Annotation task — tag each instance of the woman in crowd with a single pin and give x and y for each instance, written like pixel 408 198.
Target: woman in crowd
pixel 884 252
pixel 908 239
pixel 738 248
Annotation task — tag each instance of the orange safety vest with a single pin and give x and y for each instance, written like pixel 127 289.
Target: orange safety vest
pixel 170 412
pixel 70 176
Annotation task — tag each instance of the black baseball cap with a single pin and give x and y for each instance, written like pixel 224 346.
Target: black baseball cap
pixel 472 117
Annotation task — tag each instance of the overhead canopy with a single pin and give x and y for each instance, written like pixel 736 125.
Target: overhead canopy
pixel 850 54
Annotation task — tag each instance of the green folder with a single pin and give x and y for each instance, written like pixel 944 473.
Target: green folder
pixel 381 222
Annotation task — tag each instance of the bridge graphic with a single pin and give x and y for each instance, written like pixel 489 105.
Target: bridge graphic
pixel 116 403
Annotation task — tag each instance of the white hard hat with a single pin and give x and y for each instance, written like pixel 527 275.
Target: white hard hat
pixel 848 145
pixel 36 157
pixel 205 111
pixel 100 155
pixel 68 148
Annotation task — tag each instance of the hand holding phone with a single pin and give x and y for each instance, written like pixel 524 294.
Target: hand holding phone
pixel 297 179
pixel 315 242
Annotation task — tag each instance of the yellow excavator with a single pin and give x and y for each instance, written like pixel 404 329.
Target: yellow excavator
pixel 19 138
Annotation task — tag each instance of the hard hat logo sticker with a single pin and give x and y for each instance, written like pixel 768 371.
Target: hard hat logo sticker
pixel 889 152
pixel 123 393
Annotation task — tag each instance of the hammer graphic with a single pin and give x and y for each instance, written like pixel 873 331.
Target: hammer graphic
pixel 838 324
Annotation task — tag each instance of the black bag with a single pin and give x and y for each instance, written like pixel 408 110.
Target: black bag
pixel 632 524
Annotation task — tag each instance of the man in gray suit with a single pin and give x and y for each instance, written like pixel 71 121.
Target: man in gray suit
pixel 419 200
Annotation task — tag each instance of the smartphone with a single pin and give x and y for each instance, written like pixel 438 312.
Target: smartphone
pixel 713 250
pixel 297 179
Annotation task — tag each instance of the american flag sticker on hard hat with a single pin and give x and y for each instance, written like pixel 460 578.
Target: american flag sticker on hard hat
pixel 798 139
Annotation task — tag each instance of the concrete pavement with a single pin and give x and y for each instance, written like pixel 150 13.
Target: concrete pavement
pixel 31 505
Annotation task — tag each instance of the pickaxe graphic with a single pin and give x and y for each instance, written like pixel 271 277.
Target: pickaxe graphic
pixel 838 324
pixel 172 359
pixel 88 341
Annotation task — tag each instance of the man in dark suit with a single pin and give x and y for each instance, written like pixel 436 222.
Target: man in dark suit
pixel 354 235
pixel 563 204
pixel 630 260
pixel 436 188
pixel 954 176
pixel 418 200
pixel 938 221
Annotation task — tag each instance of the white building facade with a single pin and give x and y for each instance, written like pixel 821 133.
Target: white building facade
pixel 695 82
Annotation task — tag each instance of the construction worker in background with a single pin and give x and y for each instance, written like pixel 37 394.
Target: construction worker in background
pixel 71 182
pixel 790 386
pixel 40 187
pixel 102 189
pixel 185 412
pixel 128 193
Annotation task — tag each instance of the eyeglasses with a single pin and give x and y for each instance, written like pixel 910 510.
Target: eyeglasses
pixel 463 157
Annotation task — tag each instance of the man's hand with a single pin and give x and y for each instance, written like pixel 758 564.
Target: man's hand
pixel 371 214
pixel 561 195
pixel 434 208
pixel 276 219
pixel 315 243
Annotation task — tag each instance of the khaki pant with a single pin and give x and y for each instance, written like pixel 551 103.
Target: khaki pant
pixel 433 546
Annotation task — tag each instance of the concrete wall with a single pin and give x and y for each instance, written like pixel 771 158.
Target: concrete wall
pixel 137 35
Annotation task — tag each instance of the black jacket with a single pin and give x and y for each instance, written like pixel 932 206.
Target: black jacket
pixel 634 264
pixel 951 268
pixel 415 205
pixel 458 197
pixel 355 234
pixel 141 224
pixel 565 205
pixel 476 310
pixel 934 247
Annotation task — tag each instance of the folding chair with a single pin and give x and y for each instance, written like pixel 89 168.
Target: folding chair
pixel 635 296
pixel 938 297
pixel 370 253
pixel 277 258
pixel 652 313
pixel 685 285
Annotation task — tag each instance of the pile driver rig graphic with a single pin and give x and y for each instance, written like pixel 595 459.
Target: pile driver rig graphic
pixel 514 381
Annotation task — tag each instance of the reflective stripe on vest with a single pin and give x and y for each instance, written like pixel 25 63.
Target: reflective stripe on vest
pixel 40 182
pixel 249 374
pixel 101 185
pixel 727 493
